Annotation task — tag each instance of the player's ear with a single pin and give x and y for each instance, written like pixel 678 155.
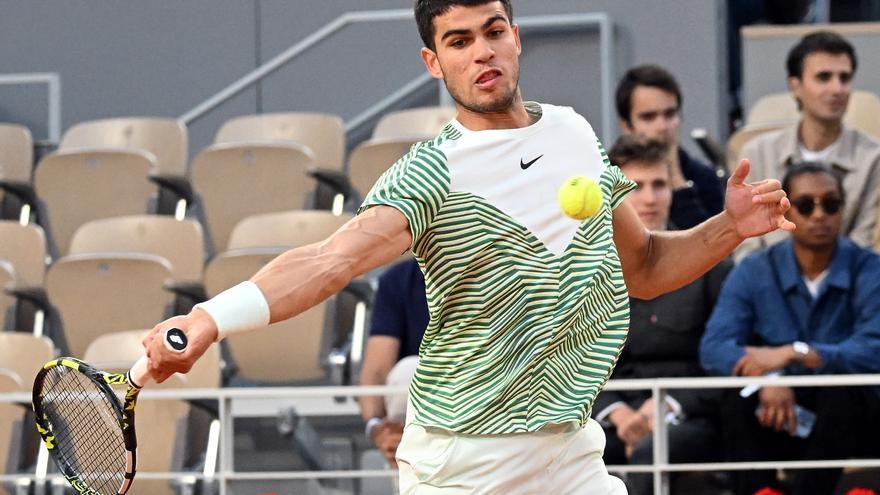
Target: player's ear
pixel 429 57
pixel 515 29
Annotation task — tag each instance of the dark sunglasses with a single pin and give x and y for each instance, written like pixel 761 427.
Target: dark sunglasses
pixel 806 204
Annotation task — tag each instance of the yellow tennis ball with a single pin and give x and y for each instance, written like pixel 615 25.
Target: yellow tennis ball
pixel 580 197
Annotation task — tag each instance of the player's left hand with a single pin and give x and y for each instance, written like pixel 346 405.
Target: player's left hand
pixel 758 208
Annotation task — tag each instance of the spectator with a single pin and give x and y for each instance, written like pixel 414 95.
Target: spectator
pixel 649 103
pixel 663 340
pixel 400 315
pixel 807 305
pixel 820 72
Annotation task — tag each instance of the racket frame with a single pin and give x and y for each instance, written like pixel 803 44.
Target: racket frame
pixel 124 413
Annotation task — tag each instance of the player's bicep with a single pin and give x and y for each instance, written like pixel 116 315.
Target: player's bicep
pixel 632 241
pixel 375 237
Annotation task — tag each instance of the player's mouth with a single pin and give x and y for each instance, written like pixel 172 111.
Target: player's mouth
pixel 488 78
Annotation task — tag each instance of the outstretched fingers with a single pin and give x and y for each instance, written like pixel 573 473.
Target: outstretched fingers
pixel 739 175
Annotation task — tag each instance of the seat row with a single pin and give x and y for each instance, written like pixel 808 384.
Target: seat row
pixel 258 164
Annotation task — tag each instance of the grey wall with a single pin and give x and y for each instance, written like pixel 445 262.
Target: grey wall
pixel 164 57
pixel 766 48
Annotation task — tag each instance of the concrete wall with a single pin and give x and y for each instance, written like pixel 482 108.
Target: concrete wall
pixel 164 57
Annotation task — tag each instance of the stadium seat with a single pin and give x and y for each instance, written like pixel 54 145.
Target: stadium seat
pixel 75 187
pixel 415 124
pixel 372 158
pixel 321 133
pixel 11 423
pixel 292 351
pixel 164 139
pixel 24 353
pixel 95 294
pixel 781 108
pixel 16 168
pixel 24 246
pixel 181 242
pixel 7 302
pixel 235 181
pixel 285 229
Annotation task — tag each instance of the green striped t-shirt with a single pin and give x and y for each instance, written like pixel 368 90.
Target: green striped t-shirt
pixel 528 308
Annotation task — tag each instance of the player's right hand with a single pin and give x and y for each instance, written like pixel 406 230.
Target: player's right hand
pixel 201 332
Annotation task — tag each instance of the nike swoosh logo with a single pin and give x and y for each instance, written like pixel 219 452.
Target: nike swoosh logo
pixel 528 164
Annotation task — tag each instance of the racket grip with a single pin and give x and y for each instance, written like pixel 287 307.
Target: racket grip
pixel 139 374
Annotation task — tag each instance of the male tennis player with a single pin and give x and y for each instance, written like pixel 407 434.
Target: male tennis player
pixel 528 307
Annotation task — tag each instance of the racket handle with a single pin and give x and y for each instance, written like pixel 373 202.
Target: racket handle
pixel 175 341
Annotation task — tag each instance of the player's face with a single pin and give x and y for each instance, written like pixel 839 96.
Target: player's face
pixel 654 114
pixel 824 86
pixel 817 228
pixel 652 197
pixel 477 56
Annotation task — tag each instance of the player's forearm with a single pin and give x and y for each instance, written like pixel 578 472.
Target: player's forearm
pixel 703 247
pixel 301 278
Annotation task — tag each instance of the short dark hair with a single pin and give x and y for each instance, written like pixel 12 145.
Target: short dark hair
pixel 644 75
pixel 803 168
pixel 634 147
pixel 818 42
pixel 427 10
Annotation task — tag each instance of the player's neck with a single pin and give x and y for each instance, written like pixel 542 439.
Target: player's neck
pixel 514 117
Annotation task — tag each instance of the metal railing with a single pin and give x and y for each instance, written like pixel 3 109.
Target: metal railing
pixel 267 402
pixel 53 88
pixel 528 24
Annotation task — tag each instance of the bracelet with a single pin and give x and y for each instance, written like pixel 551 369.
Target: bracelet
pixel 371 423
pixel 239 309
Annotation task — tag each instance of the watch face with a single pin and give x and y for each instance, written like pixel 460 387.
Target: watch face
pixel 801 348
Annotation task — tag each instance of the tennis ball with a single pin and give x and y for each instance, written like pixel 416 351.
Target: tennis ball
pixel 580 197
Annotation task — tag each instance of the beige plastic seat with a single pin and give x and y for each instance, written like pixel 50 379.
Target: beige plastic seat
pixel 286 229
pixel 96 294
pixel 287 351
pixel 25 353
pixel 181 242
pixel 7 280
pixel 11 420
pixel 862 113
pixel 236 181
pixel 743 135
pixel 322 133
pixel 120 350
pixel 372 158
pixel 163 138
pixel 16 162
pixel 84 185
pixel 414 123
pixel 24 246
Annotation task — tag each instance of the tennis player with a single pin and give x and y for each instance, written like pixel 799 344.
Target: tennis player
pixel 528 307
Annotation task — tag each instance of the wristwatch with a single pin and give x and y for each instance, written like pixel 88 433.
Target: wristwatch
pixel 801 349
pixel 371 423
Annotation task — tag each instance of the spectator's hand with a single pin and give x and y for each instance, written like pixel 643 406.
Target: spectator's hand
pixel 755 208
pixel 759 360
pixel 201 332
pixel 386 437
pixel 632 426
pixel 647 410
pixel 778 409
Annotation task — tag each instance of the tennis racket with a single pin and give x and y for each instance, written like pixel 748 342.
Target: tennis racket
pixel 87 431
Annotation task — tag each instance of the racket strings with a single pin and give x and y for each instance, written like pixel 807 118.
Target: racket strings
pixel 88 437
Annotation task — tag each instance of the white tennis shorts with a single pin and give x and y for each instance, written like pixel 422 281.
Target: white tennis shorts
pixel 558 460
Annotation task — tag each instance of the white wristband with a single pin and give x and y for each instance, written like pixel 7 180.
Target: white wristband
pixel 238 309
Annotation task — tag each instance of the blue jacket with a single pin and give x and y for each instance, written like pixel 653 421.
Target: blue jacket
pixel 764 302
